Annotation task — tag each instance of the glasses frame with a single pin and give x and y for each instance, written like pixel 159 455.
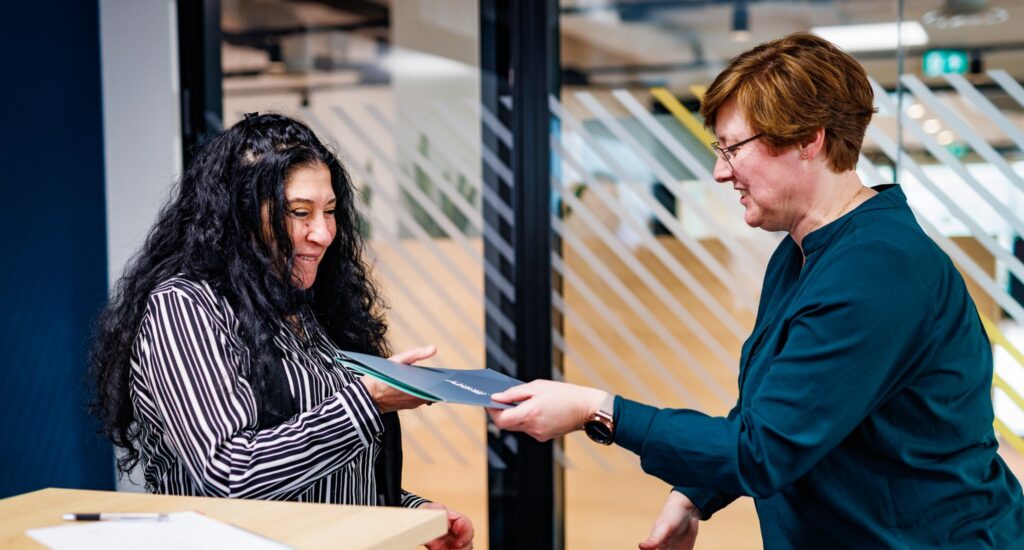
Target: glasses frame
pixel 730 151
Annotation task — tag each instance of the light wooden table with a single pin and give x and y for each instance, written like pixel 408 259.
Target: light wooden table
pixel 297 524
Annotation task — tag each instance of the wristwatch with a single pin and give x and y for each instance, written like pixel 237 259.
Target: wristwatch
pixel 600 425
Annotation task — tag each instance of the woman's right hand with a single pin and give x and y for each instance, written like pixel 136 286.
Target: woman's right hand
pixel 546 409
pixel 389 399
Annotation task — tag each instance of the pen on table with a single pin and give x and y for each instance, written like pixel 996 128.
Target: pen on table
pixel 106 516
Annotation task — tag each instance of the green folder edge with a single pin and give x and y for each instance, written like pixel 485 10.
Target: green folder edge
pixel 413 391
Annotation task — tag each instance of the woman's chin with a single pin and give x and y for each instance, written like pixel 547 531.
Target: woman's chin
pixel 305 281
pixel 752 218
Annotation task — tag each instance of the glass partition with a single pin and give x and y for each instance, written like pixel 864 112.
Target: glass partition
pixel 661 276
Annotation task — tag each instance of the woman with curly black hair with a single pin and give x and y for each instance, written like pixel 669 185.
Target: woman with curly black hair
pixel 214 361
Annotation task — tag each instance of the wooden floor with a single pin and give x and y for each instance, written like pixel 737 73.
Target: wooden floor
pixel 435 296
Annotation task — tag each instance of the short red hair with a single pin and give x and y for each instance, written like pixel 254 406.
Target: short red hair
pixel 789 88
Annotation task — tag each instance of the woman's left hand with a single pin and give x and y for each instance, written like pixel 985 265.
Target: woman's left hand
pixel 676 526
pixel 546 409
pixel 460 530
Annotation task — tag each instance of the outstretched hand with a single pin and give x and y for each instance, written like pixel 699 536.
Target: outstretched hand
pixel 460 530
pixel 676 526
pixel 546 409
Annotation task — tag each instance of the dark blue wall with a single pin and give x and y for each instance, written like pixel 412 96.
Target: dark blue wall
pixel 53 279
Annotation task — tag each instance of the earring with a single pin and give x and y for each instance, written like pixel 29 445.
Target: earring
pixel 803 155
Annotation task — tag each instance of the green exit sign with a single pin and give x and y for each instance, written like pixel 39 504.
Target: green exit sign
pixel 959 150
pixel 940 62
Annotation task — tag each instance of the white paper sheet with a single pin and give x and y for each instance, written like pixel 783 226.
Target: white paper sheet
pixel 181 531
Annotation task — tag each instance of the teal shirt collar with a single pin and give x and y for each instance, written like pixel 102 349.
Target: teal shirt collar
pixel 889 196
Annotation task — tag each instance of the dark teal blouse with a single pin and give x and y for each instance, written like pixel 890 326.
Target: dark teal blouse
pixel 865 415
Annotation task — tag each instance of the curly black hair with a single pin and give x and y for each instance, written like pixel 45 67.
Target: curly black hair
pixel 211 230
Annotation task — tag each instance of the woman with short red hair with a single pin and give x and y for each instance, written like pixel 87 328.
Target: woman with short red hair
pixel 865 415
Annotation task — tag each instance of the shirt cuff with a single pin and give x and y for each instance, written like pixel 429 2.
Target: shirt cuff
pixel 366 417
pixel 708 501
pixel 632 422
pixel 410 500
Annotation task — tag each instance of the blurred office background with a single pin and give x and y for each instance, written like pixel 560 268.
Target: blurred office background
pixel 535 186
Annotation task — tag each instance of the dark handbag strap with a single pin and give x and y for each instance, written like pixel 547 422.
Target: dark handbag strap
pixel 278 404
pixel 389 464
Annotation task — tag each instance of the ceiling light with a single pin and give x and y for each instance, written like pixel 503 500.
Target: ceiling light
pixel 945 137
pixel 915 110
pixel 423 65
pixel 875 36
pixel 931 126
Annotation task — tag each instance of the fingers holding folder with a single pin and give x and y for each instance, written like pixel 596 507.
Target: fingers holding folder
pixel 428 384
pixel 387 397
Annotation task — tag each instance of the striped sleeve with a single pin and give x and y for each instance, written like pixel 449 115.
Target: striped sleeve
pixel 410 500
pixel 208 411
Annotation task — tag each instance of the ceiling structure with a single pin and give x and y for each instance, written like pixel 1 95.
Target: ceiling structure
pixel 620 43
pixel 679 44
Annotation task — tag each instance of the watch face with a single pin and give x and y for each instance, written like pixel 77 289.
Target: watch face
pixel 598 431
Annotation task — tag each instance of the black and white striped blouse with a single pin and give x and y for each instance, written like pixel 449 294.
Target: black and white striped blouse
pixel 198 415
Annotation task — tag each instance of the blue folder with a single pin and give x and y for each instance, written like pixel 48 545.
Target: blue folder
pixel 468 387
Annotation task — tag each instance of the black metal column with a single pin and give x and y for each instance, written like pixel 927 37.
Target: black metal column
pixel 200 72
pixel 519 63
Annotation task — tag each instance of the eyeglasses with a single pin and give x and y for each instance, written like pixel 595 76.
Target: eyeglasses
pixel 728 152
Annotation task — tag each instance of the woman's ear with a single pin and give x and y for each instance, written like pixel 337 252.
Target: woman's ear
pixel 814 146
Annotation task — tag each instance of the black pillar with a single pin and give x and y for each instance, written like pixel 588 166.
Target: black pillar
pixel 1016 285
pixel 519 63
pixel 200 72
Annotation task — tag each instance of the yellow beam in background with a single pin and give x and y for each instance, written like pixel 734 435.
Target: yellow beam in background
pixel 698 91
pixel 684 116
pixel 1013 439
pixel 998 382
pixel 998 338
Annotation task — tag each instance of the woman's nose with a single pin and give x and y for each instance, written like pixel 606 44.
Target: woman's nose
pixel 723 170
pixel 320 232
